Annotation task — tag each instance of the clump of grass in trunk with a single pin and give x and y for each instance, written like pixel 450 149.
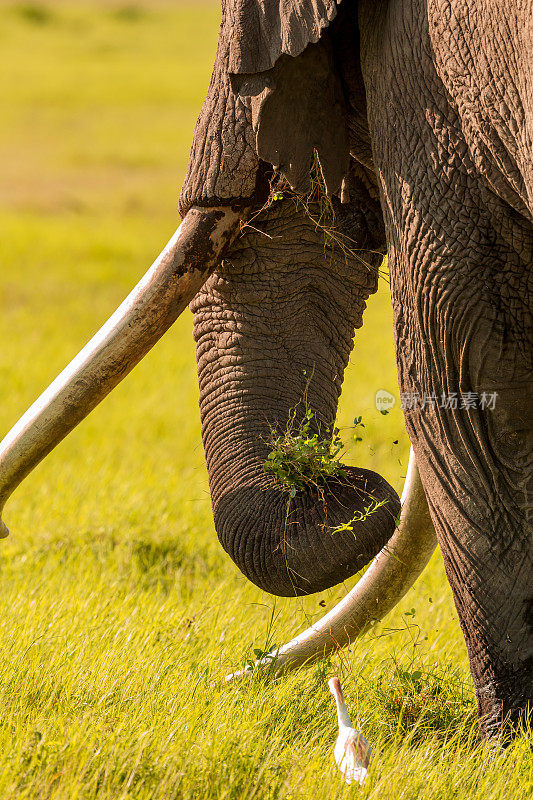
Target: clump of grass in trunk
pixel 300 458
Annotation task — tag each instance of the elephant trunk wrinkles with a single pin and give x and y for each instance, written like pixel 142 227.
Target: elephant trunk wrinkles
pixel 274 330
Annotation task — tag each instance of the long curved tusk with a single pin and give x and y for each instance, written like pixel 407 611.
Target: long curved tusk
pixel 149 310
pixel 386 581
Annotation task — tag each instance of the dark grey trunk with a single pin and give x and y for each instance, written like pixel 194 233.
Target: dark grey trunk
pixel 277 320
pixel 274 329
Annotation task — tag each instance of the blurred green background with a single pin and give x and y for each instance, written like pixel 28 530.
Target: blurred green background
pixel 119 612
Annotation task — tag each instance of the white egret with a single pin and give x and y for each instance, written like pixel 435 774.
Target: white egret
pixel 352 751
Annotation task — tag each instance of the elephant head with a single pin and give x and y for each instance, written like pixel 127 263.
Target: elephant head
pixel 278 251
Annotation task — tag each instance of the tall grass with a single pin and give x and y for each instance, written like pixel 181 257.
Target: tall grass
pixel 119 613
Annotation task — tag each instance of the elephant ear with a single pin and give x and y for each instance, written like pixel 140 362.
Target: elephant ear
pixel 266 29
pixel 282 64
pixel 286 85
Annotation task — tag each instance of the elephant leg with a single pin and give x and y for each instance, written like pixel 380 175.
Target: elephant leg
pixel 460 241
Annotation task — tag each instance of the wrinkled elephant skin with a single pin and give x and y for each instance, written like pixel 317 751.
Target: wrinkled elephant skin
pixel 420 114
pixel 334 132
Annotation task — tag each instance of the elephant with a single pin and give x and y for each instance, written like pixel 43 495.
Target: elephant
pixel 335 132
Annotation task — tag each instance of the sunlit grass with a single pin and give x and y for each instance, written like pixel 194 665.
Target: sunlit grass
pixel 119 612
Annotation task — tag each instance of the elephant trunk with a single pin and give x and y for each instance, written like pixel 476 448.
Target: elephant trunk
pixel 144 316
pixel 274 328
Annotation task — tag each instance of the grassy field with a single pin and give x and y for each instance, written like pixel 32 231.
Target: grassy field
pixel 119 612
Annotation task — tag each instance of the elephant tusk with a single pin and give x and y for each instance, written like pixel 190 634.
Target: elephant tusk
pixel 391 574
pixel 145 315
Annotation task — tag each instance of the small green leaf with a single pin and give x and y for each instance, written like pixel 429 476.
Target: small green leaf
pixel 346 526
